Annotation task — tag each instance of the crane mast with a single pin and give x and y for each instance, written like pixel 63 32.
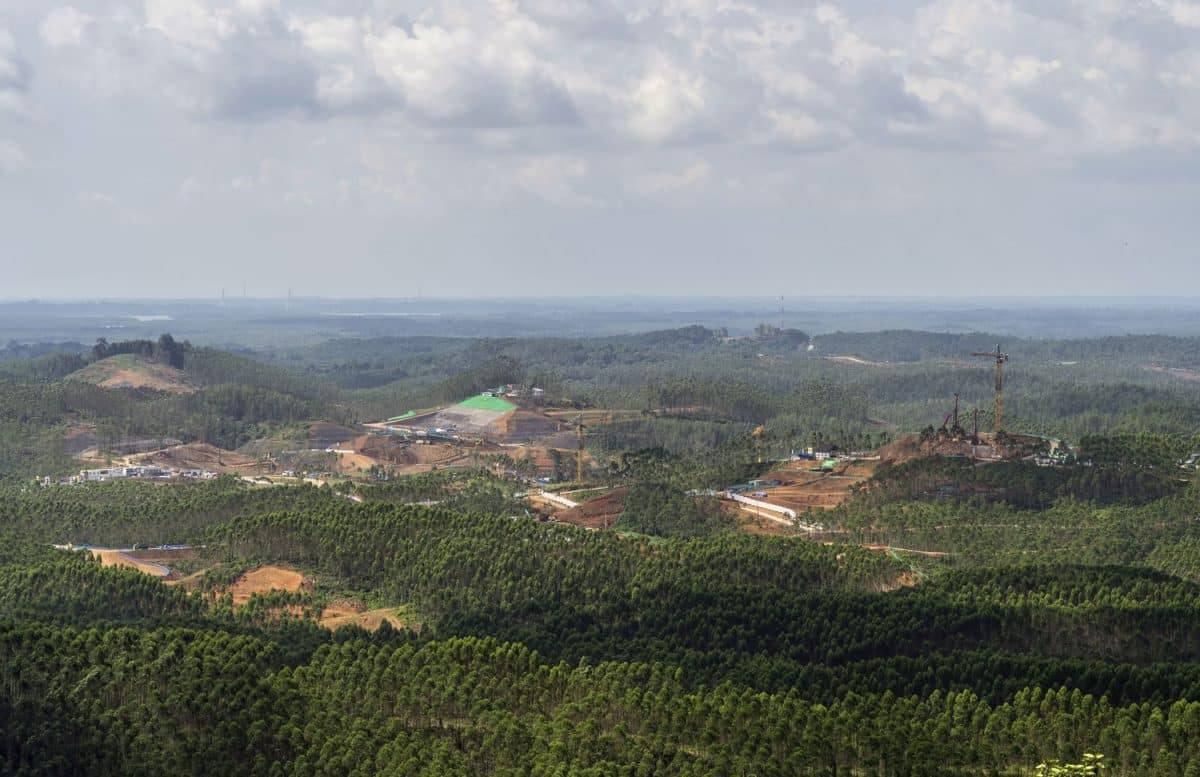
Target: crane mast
pixel 1000 359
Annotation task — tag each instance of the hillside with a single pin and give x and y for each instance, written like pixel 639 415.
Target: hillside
pixel 132 371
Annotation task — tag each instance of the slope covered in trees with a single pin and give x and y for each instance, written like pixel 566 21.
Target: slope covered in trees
pixel 999 617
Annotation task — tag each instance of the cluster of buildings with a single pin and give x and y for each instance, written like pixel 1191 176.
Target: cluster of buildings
pixel 126 473
pixel 513 391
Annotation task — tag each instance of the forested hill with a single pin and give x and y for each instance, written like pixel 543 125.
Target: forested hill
pixel 551 650
pixel 229 400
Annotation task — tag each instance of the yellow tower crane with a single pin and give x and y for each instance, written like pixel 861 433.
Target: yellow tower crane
pixel 999 358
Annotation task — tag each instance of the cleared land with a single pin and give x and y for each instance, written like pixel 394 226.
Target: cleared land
pixel 599 513
pixel 854 360
pixel 201 456
pixel 128 371
pixel 322 434
pixel 802 490
pixel 266 579
pixel 341 614
pixel 120 558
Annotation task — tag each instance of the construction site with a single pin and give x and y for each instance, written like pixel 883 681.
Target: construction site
pixel 790 497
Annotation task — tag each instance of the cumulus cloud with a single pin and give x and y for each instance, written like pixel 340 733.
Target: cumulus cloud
pixel 1072 76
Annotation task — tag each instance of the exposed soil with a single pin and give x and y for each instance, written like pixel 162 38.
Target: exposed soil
pixel 344 613
pixel 599 513
pixel 387 449
pixel 322 434
pixel 80 438
pixel 903 580
pixel 201 456
pixel 594 417
pixel 854 360
pixel 753 523
pixel 803 490
pixel 525 426
pixel 351 463
pixel 134 372
pixel 910 447
pixel 265 579
pixel 122 558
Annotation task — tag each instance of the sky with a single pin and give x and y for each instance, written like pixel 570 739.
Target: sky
pixel 382 148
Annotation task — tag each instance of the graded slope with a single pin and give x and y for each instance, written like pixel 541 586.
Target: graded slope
pixel 130 371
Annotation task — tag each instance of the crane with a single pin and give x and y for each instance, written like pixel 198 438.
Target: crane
pixel 999 358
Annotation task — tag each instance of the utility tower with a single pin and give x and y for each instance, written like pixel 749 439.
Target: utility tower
pixel 999 358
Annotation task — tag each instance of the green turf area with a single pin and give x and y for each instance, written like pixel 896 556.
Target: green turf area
pixel 402 416
pixel 495 404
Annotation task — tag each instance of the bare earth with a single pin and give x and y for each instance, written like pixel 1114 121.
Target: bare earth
pixel 854 360
pixel 341 614
pixel 265 579
pixel 126 372
pixel 122 558
pixel 599 513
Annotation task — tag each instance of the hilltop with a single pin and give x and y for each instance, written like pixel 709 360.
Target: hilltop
pixel 134 371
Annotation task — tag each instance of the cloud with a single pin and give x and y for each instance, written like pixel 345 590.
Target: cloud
pixel 16 75
pixel 463 76
pixel 954 74
pixel 65 26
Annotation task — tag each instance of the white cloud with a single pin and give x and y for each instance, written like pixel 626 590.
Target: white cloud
pixel 666 102
pixel 64 26
pixel 954 73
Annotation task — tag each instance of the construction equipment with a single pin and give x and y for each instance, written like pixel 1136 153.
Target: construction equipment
pixel 1000 359
pixel 955 429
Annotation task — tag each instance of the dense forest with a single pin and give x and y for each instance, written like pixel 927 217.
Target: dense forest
pixel 551 649
pixel 948 618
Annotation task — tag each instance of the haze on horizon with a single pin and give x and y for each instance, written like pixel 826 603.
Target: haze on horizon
pixel 374 148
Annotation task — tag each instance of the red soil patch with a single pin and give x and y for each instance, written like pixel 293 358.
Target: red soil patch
pixel 803 490
pixel 910 448
pixel 201 456
pixel 120 558
pixel 599 513
pixel 266 579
